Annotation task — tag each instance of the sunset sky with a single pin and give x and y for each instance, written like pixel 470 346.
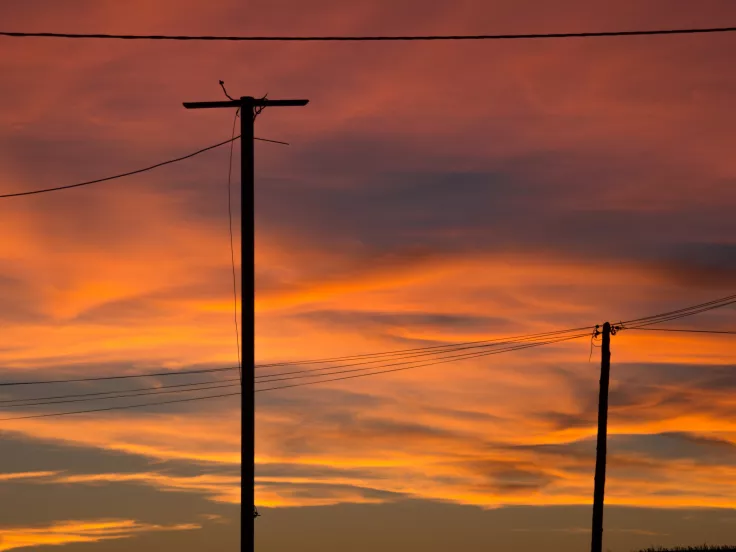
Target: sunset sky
pixel 432 193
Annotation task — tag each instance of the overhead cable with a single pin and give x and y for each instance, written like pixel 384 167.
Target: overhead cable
pixel 420 349
pixel 726 332
pixel 201 387
pixel 684 312
pixel 107 378
pixel 125 407
pixel 433 352
pixel 130 173
pixel 367 38
pixel 525 346
pixel 102 393
pixel 232 247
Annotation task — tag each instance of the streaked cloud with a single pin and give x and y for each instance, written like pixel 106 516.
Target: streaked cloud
pixel 26 475
pixel 221 488
pixel 69 532
pixel 156 436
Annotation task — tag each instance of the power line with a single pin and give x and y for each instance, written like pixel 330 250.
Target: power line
pixel 202 387
pixel 75 395
pixel 232 247
pixel 685 331
pixel 447 349
pixel 432 347
pixel 686 311
pixel 681 313
pixel 514 347
pixel 114 177
pixel 131 173
pixel 526 346
pixel 270 141
pixel 367 38
pixel 106 378
pixel 439 349
pixel 672 317
pixel 126 407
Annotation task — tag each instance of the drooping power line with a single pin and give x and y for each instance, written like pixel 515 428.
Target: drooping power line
pixel 367 38
pixel 638 323
pixel 131 173
pixel 116 176
pixel 102 393
pixel 124 395
pixel 420 351
pixel 512 345
pixel 433 351
pixel 726 332
pixel 475 355
pixel 107 378
pixel 232 247
pixel 517 343
pixel 715 302
pixel 438 348
pixel 125 407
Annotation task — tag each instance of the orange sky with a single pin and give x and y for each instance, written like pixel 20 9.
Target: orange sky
pixel 432 193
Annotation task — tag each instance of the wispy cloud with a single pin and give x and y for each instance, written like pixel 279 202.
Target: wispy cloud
pixel 220 488
pixel 27 475
pixel 68 532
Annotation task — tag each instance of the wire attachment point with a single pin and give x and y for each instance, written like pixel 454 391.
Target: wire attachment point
pixel 258 110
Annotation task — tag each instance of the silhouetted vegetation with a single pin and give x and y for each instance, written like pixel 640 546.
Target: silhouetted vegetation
pixel 703 548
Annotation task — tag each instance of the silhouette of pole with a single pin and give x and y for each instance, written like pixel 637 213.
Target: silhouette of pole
pixel 247 317
pixel 600 455
pixel 249 108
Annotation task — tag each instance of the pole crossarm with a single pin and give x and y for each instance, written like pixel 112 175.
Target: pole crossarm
pixel 255 102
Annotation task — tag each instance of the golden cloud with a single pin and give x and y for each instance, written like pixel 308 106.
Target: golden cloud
pixel 68 532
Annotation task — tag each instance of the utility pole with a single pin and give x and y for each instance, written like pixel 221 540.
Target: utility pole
pixel 600 454
pixel 250 107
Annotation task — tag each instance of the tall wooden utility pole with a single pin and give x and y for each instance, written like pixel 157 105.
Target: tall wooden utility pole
pixel 249 108
pixel 600 455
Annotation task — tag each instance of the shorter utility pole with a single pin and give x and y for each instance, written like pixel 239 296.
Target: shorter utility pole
pixel 600 454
